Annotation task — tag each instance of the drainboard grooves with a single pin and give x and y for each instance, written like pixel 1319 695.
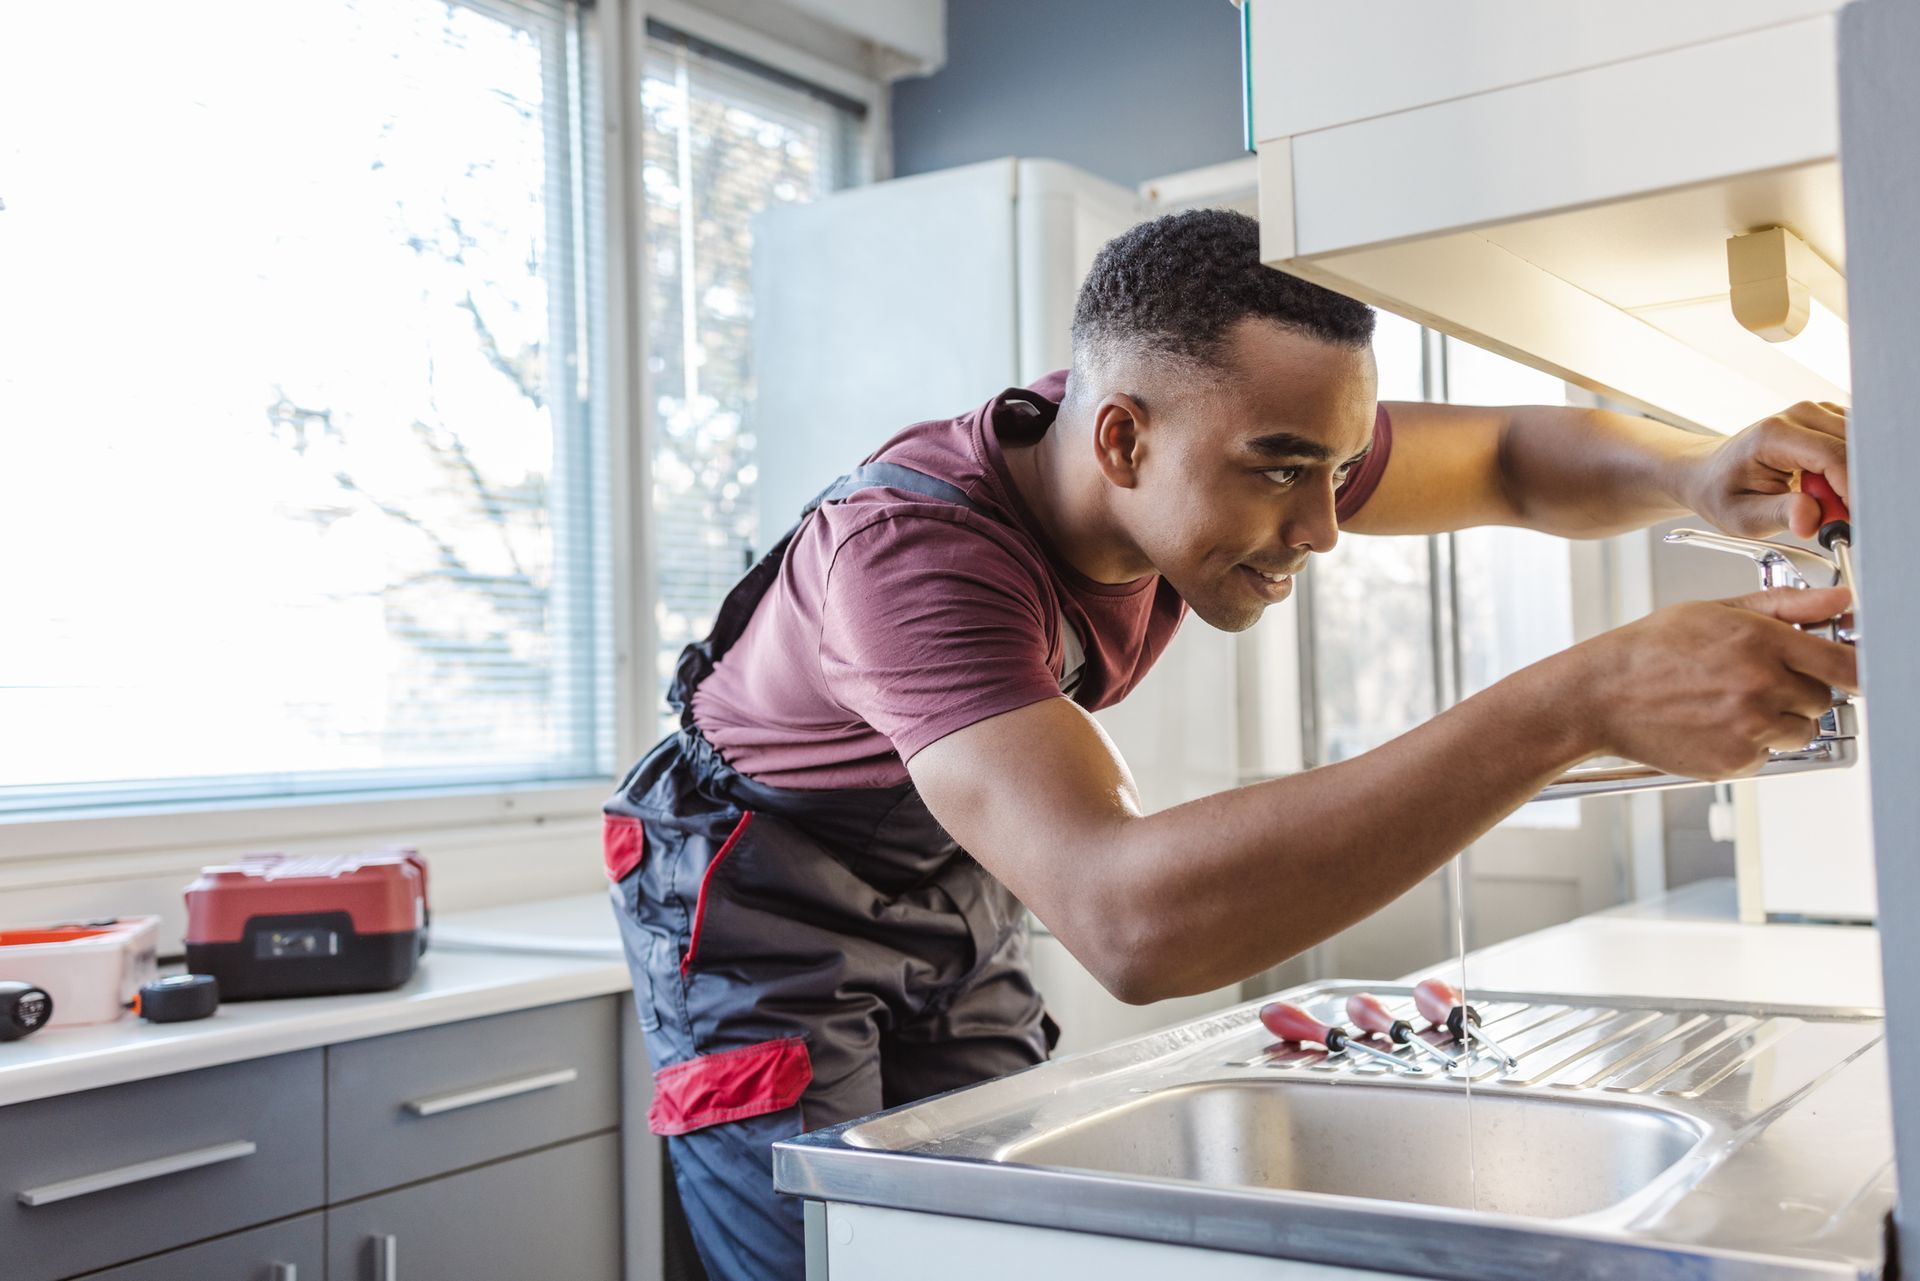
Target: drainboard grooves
pixel 1769 1036
pixel 1613 1069
pixel 1736 1025
pixel 1765 1037
pixel 1525 1048
pixel 1634 1025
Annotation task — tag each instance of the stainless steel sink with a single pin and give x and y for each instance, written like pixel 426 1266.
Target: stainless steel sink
pixel 1679 1139
pixel 1547 1158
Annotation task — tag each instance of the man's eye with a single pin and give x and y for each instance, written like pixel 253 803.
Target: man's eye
pixel 1283 476
pixel 1340 474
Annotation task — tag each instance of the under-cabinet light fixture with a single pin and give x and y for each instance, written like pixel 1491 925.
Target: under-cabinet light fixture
pixel 1789 295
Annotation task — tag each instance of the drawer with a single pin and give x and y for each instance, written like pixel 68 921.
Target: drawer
pixel 291 1251
pixel 552 1215
pixel 96 1178
pixel 416 1104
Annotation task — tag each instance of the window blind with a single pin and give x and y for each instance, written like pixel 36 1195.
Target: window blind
pixel 723 142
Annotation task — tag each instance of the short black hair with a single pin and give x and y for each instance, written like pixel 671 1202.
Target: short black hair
pixel 1176 285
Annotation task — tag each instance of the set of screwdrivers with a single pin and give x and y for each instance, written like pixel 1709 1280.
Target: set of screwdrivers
pixel 1439 1003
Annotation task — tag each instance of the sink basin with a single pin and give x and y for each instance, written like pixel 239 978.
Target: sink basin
pixel 1675 1140
pixel 1542 1157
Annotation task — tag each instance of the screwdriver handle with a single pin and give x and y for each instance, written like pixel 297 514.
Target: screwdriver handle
pixel 1291 1023
pixel 1835 519
pixel 1370 1014
pixel 1436 1000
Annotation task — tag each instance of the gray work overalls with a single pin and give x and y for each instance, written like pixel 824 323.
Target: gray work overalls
pixel 800 958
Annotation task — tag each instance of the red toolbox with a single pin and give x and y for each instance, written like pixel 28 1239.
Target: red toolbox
pixel 273 925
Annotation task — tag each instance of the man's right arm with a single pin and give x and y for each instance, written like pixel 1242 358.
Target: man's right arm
pixel 1214 890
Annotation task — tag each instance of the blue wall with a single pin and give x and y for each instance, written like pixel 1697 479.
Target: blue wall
pixel 1126 89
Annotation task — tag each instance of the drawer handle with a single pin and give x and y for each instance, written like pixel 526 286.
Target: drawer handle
pixel 386 1257
pixel 435 1104
pixel 87 1184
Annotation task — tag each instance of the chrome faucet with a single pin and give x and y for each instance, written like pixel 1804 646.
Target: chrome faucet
pixel 1836 744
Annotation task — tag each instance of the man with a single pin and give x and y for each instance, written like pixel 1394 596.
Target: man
pixel 887 746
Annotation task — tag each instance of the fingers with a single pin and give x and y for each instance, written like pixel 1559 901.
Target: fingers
pixel 1797 513
pixel 1796 604
pixel 1791 732
pixel 1805 697
pixel 1818 415
pixel 1828 662
pixel 1813 437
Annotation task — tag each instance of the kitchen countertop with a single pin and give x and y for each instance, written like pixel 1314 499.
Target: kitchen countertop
pixel 456 980
pixel 1685 945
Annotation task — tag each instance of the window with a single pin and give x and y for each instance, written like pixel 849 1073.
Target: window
pixel 301 438
pixel 1400 627
pixel 723 142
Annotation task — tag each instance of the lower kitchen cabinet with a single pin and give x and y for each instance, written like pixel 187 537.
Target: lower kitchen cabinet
pixel 551 1215
pixel 511 1147
pixel 290 1251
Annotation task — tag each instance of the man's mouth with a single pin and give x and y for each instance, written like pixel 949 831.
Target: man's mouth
pixel 1267 583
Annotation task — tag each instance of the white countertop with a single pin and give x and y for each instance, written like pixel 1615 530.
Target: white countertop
pixel 1683 945
pixel 452 983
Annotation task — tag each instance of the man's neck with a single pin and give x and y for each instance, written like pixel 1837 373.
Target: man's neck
pixel 1063 488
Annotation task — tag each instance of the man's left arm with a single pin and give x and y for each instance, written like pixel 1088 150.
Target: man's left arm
pixel 1590 473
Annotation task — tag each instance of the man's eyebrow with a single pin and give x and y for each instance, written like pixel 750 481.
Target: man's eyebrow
pixel 1284 444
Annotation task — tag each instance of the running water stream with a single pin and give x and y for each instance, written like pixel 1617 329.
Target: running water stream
pixel 1465 1047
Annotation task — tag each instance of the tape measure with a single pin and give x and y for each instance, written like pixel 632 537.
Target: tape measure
pixel 178 998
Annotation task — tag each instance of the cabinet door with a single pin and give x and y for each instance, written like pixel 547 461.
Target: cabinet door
pixel 96 1178
pixel 290 1251
pixel 548 1216
pixel 409 1106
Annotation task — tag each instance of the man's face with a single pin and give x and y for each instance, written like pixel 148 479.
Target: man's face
pixel 1236 476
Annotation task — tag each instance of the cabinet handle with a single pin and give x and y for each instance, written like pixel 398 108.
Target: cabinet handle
pixel 283 1272
pixel 140 1172
pixel 386 1257
pixel 435 1104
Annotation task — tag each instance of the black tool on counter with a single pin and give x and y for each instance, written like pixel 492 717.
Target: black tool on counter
pixel 1441 1004
pixel 1370 1014
pixel 1291 1023
pixel 24 1008
pixel 178 998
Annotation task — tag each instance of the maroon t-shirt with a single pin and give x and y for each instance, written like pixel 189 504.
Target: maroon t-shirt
pixel 897 619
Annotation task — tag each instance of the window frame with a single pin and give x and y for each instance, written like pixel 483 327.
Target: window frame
pixel 614 32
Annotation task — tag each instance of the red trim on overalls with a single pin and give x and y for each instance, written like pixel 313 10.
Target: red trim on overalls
pixel 729 1086
pixel 623 844
pixel 700 903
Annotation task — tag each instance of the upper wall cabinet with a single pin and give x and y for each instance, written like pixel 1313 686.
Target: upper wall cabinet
pixel 1569 185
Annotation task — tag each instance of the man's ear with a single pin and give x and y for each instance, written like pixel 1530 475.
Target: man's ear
pixel 1120 438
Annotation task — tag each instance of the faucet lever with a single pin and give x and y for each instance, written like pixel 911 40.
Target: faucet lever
pixel 1780 564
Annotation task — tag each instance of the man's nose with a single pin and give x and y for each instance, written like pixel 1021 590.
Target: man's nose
pixel 1311 525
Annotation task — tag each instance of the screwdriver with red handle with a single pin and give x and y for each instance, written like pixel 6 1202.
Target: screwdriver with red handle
pixel 1370 1014
pixel 1441 1004
pixel 1291 1023
pixel 1836 525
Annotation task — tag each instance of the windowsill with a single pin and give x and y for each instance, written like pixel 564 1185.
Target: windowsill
pixel 151 827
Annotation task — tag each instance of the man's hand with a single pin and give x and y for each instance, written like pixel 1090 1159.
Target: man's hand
pixel 1707 688
pixel 1744 484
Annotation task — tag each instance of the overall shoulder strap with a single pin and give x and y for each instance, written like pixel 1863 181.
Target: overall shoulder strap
pixel 697 660
pixel 892 476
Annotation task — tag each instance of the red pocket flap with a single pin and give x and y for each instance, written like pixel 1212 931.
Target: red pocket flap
pixel 623 843
pixel 729 1086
